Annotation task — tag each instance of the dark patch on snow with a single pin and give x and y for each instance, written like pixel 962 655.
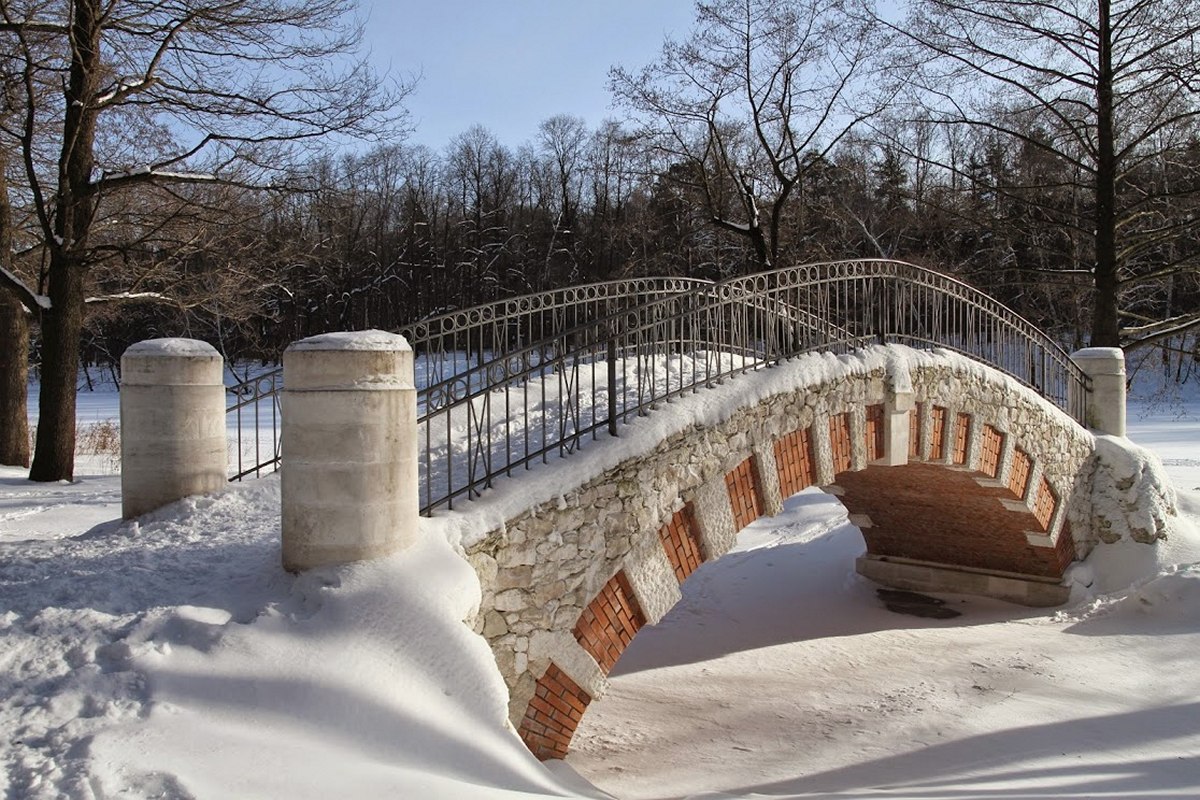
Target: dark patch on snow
pixel 915 604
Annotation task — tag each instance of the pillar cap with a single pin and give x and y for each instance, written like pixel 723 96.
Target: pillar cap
pixel 372 340
pixel 1096 355
pixel 171 348
pixel 349 361
pixel 171 362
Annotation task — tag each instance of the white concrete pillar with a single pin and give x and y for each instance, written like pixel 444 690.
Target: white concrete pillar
pixel 172 423
pixel 896 428
pixel 349 469
pixel 900 400
pixel 1104 408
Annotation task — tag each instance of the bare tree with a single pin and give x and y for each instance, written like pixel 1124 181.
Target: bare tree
pixel 760 92
pixel 563 139
pixel 188 91
pixel 614 165
pixel 1105 89
pixel 481 176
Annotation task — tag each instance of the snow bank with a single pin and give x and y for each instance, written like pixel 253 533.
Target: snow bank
pixel 355 681
pixel 173 657
pixel 1132 498
pixel 1135 516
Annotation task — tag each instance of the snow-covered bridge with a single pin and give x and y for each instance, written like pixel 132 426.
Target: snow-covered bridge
pixel 961 480
pixel 657 417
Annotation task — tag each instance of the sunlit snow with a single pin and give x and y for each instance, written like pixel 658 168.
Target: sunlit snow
pixel 172 657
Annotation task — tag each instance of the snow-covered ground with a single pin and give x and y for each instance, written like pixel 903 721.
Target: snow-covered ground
pixel 172 657
pixel 781 673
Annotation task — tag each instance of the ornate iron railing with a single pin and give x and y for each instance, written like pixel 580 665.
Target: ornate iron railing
pixel 505 385
pixel 445 344
pixel 253 419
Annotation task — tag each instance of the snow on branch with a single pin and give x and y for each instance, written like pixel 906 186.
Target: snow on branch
pixel 123 89
pixel 36 303
pixel 111 298
pixel 147 174
pixel 1149 334
pixel 33 26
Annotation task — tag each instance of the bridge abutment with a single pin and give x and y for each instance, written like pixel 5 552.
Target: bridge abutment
pixel 920 576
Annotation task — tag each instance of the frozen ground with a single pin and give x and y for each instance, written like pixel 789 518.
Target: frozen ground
pixel 171 657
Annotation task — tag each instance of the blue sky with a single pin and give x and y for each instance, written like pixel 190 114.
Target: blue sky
pixel 509 64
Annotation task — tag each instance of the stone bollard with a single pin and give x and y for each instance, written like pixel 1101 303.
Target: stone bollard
pixel 172 423
pixel 1104 408
pixel 349 469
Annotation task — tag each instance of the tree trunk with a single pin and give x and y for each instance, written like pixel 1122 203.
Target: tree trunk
pixel 62 324
pixel 1106 330
pixel 14 382
pixel 54 451
pixel 762 252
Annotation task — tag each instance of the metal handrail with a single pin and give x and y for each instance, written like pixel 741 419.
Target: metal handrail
pixel 445 343
pixel 494 397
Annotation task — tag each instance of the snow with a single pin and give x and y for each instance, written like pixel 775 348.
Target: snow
pixel 170 348
pixel 40 300
pixel 353 340
pixel 172 657
pixel 107 298
pixel 1101 353
pixel 1131 483
pixel 781 674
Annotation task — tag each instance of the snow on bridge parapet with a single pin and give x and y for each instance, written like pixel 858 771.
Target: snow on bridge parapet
pixel 573 560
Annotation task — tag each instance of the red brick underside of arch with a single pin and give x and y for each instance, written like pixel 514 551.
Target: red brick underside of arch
pixel 929 512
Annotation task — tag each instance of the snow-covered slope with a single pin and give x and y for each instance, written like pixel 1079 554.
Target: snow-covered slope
pixel 172 657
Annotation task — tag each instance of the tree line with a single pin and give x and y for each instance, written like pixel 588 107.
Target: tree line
pixel 1047 153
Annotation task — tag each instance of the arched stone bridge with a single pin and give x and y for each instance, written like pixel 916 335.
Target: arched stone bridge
pixel 960 479
pixel 965 465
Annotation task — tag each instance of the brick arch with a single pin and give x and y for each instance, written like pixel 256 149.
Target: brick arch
pixel 922 516
pixel 570 582
pixel 967 508
pixel 614 616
